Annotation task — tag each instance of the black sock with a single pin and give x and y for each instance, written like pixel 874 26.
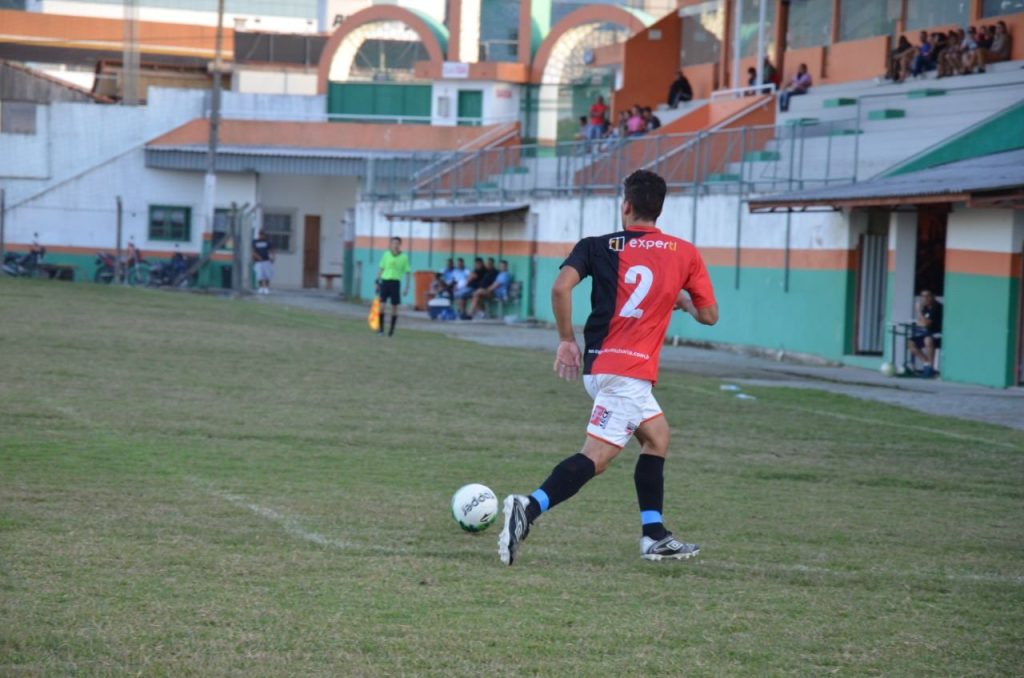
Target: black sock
pixel 565 480
pixel 382 320
pixel 650 493
pixel 394 319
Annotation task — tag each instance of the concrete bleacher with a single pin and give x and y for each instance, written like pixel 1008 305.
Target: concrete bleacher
pixel 826 135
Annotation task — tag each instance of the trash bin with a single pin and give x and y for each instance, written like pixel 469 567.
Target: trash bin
pixel 225 277
pixel 423 280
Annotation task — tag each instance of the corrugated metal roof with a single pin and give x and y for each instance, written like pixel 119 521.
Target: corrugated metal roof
pixel 305 162
pixel 458 212
pixel 955 180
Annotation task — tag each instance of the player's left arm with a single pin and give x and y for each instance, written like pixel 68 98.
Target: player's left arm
pixel 698 296
pixel 567 357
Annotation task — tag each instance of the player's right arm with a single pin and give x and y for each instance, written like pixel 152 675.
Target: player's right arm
pixel 567 357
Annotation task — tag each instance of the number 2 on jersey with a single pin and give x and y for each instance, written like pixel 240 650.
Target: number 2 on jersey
pixel 643 278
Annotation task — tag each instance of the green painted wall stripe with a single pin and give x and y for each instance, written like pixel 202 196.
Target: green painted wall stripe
pixel 979 329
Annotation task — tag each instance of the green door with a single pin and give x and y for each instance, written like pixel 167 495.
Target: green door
pixel 471 107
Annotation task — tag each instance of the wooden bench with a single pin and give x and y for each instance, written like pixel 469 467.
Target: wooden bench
pixel 515 291
pixel 58 271
pixel 329 279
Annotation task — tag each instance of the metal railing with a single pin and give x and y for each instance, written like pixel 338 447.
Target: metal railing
pixel 754 159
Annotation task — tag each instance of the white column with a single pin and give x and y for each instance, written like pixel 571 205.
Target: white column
pixel 903 250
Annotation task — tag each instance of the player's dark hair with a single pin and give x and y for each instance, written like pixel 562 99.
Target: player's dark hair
pixel 394 238
pixel 645 191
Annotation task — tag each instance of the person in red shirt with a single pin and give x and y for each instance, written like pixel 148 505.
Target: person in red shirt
pixel 640 276
pixel 598 119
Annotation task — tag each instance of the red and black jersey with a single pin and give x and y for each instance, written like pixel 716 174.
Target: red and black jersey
pixel 637 276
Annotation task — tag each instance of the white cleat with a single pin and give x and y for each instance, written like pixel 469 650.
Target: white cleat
pixel 668 548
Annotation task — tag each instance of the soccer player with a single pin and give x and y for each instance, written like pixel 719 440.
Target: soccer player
pixel 393 264
pixel 640 275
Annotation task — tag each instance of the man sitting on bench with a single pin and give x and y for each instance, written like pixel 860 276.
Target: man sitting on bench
pixel 927 332
pixel 496 290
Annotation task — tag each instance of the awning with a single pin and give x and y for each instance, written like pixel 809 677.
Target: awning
pixel 995 180
pixel 460 213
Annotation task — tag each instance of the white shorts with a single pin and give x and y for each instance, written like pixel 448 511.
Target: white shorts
pixel 621 405
pixel 264 270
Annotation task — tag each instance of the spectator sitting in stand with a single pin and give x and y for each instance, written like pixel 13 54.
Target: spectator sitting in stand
pixel 800 83
pixel 635 125
pixel 472 283
pixel 680 91
pixel 438 288
pixel 652 121
pixel 950 62
pixel 449 269
pixel 917 60
pixel 581 134
pixel 498 289
pixel 896 58
pixel 998 48
pixel 969 52
pixel 984 36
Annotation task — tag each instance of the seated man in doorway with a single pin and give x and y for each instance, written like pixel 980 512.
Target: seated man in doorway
pixel 927 332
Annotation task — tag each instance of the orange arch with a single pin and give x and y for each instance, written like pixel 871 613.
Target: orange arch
pixel 588 14
pixel 371 15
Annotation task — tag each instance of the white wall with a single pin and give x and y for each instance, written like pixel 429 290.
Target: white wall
pixel 559 221
pixel 274 106
pixel 326 197
pixel 985 230
pixel 253 22
pixel 273 81
pixel 500 101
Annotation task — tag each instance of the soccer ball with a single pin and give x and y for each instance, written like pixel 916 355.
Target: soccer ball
pixel 887 369
pixel 474 507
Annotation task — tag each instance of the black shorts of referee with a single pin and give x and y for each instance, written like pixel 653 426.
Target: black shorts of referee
pixel 391 289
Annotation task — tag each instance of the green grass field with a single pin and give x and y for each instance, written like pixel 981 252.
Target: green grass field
pixel 192 486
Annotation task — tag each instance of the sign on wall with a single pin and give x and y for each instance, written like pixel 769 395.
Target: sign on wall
pixel 454 69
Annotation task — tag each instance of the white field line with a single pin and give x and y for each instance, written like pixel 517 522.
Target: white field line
pixel 984 577
pixel 879 422
pixel 288 523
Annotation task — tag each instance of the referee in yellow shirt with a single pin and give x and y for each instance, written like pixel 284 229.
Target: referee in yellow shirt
pixel 393 264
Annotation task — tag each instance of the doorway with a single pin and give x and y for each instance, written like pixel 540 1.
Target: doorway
pixel 930 267
pixel 471 107
pixel 873 251
pixel 311 252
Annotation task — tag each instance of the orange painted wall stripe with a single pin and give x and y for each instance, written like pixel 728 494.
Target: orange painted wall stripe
pixel 976 262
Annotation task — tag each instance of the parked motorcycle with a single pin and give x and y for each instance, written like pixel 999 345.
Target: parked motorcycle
pixel 173 273
pixel 24 265
pixel 106 268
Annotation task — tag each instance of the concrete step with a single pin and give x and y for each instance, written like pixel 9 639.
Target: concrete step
pixel 887 114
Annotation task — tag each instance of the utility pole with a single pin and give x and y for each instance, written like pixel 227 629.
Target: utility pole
pixel 117 256
pixel 737 47
pixel 3 213
pixel 761 16
pixel 210 183
pixel 130 94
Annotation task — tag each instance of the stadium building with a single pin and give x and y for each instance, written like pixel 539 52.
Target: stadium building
pixel 455 126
